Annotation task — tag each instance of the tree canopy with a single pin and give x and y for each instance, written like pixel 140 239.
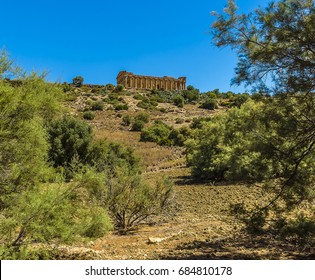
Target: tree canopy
pixel 275 45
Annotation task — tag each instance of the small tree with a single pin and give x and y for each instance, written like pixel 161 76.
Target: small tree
pixel 77 81
pixel 119 88
pixel 126 120
pixel 142 116
pixel 97 105
pixel 138 125
pixel 210 104
pixel 132 201
pixel 179 101
pixel 69 138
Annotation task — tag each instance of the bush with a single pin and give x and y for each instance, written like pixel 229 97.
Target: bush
pixel 126 120
pixel 69 138
pixel 198 122
pixel 120 107
pixel 110 87
pixel 132 201
pixel 66 87
pixel 158 133
pixel 147 104
pixel 119 88
pixel 88 115
pixel 210 104
pixel 97 106
pixel 179 101
pixel 99 224
pixel 138 125
pixel 138 96
pixel 179 121
pixel 77 81
pixel 191 94
pixel 142 117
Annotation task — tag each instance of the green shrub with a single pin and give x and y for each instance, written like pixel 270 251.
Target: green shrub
pixel 191 94
pixel 99 224
pixel 110 87
pixel 126 120
pixel 119 88
pixel 239 100
pixel 138 125
pixel 138 96
pixel 158 133
pixel 132 200
pixel 146 103
pixel 77 81
pixel 226 104
pixel 197 122
pixel 69 138
pixel 179 101
pixel 210 104
pixel 142 116
pixel 66 87
pixel 97 106
pixel 179 121
pixel 88 115
pixel 110 157
pixel 120 107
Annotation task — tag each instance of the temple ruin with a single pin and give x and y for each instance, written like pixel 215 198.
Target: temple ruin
pixel 132 81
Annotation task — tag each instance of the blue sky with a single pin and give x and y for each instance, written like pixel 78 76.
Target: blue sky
pixel 96 39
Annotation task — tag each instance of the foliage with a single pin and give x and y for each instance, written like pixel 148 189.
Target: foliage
pixel 126 120
pixel 163 134
pixel 110 87
pixel 191 94
pixel 115 183
pixel 209 104
pixel 274 45
pixel 142 116
pixel 138 125
pixel 88 115
pixel 120 107
pixel 69 139
pixel 97 106
pixel 77 81
pixel 119 88
pixel 198 122
pixel 106 157
pixel 239 99
pixel 147 104
pixel 131 200
pixel 179 101
pixel 158 133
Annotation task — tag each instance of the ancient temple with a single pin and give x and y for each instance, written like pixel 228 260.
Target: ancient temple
pixel 132 81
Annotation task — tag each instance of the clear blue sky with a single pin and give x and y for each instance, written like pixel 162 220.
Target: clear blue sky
pixel 96 39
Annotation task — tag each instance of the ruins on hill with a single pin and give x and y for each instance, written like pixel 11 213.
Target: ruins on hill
pixel 132 81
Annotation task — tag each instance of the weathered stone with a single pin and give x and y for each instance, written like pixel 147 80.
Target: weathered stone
pixel 154 240
pixel 132 81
